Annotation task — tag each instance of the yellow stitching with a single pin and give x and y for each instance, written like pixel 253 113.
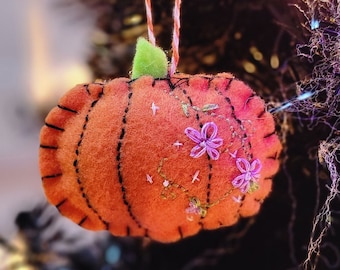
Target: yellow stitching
pixel 167 194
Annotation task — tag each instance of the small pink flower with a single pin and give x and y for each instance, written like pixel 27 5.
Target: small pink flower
pixel 250 172
pixel 205 142
pixel 193 209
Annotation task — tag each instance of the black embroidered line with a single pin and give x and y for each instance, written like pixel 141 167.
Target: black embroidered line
pixel 271 157
pixel 191 104
pixel 269 135
pixel 210 79
pixel 180 232
pixel 58 205
pixel 274 157
pixel 209 181
pixel 189 98
pixel 51 176
pixel 146 233
pixel 261 114
pixel 249 98
pixel 128 231
pixel 209 159
pixel 178 83
pixel 87 89
pixel 48 147
pixel 118 158
pixel 233 111
pixel 131 81
pixel 66 109
pixel 201 125
pixel 76 163
pixel 171 85
pixel 233 114
pixel 80 223
pixel 229 84
pixel 54 127
pixel 94 103
pixel 241 204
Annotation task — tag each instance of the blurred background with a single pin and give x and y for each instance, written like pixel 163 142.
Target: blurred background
pixel 48 46
pixel 43 52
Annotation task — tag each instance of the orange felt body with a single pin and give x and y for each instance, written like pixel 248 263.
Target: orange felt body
pixel 115 156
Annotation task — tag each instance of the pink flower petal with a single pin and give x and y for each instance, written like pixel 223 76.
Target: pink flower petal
pixel 197 151
pixel 193 134
pixel 256 166
pixel 213 153
pixel 206 127
pixel 238 181
pixel 243 165
pixel 215 143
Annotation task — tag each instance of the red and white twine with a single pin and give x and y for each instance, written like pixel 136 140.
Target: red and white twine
pixel 151 34
pixel 175 35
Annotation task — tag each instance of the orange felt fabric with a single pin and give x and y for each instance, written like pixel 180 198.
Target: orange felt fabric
pixel 115 156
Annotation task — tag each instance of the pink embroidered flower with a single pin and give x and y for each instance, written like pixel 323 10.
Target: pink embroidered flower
pixel 250 172
pixel 195 207
pixel 206 142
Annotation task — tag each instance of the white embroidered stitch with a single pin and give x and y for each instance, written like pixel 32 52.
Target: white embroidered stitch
pixel 177 144
pixel 154 108
pixel 149 178
pixel 195 177
pixel 166 183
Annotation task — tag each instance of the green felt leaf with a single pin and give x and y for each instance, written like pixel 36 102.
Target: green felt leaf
pixel 149 60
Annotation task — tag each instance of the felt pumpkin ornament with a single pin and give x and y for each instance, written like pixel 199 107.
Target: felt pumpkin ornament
pixel 161 154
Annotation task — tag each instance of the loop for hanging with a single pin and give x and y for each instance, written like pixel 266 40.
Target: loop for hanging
pixel 175 33
pixel 151 34
pixel 175 37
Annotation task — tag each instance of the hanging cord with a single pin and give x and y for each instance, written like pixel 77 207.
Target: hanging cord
pixel 151 34
pixel 175 33
pixel 175 37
